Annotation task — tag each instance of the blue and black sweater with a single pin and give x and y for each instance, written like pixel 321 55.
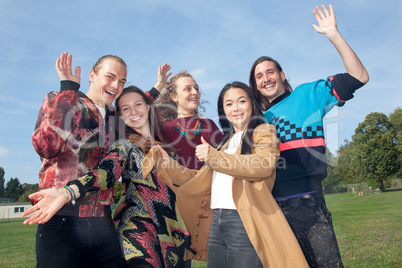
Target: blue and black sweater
pixel 298 117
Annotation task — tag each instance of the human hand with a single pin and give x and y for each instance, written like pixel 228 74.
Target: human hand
pixel 51 201
pixel 63 68
pixel 162 76
pixel 326 20
pixel 202 150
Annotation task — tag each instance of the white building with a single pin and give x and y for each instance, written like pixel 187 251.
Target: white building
pixel 13 210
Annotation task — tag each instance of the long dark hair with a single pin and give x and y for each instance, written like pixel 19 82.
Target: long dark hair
pixel 154 123
pixel 261 98
pixel 227 127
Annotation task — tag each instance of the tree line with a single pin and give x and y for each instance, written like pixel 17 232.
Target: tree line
pixel 14 191
pixel 373 156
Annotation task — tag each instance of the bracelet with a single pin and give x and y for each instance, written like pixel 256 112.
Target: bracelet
pixel 72 194
pixel 68 195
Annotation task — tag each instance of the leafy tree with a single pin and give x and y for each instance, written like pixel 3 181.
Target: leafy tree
pixel 396 121
pixel 13 189
pixel 376 156
pixel 345 169
pixel 28 189
pixel 332 180
pixel 2 181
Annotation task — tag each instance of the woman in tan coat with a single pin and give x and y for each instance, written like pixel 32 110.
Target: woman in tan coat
pixel 227 205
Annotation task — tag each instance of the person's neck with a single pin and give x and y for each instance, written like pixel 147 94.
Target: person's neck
pixel 145 133
pixel 93 98
pixel 271 100
pixel 181 114
pixel 237 130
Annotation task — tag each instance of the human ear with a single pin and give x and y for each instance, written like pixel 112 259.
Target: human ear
pixel 173 97
pixel 283 77
pixel 91 76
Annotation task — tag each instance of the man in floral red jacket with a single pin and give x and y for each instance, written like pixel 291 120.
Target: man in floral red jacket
pixel 72 134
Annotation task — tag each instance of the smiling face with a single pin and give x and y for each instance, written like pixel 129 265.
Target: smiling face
pixel 134 112
pixel 269 81
pixel 186 97
pixel 107 82
pixel 237 107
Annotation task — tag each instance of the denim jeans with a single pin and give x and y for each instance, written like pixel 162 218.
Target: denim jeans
pixel 66 241
pixel 228 244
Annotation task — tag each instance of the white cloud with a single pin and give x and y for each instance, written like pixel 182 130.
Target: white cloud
pixel 198 73
pixel 3 151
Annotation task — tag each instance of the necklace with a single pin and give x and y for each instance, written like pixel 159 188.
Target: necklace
pixel 189 134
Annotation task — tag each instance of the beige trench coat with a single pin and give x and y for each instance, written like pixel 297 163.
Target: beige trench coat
pixel 253 179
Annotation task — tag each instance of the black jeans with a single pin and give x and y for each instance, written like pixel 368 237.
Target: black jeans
pixel 67 241
pixel 311 223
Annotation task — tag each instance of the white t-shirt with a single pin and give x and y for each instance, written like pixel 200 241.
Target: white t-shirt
pixel 102 111
pixel 221 193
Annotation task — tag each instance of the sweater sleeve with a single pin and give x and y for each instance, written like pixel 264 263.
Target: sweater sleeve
pixel 152 94
pixel 109 170
pixel 343 86
pixel 254 167
pixel 173 173
pixel 55 121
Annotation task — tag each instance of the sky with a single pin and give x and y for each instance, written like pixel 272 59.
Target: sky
pixel 216 41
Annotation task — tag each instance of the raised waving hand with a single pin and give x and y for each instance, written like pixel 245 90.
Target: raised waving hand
pixel 162 76
pixel 325 19
pixel 327 26
pixel 64 68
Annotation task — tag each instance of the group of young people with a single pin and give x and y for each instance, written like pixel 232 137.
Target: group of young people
pixel 191 190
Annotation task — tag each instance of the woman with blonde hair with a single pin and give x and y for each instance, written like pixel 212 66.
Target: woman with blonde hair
pixel 183 125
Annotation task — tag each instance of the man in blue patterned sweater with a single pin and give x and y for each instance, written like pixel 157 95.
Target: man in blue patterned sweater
pixel 298 117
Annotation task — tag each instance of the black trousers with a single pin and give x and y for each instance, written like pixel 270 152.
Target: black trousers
pixel 311 223
pixel 67 241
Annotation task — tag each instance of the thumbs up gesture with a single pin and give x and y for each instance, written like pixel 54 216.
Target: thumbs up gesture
pixel 202 150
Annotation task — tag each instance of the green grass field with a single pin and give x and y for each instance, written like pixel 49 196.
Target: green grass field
pixel 368 228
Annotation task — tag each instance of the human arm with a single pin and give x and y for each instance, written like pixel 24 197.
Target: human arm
pixel 55 120
pixel 162 78
pixel 327 26
pixel 64 68
pixel 254 167
pixel 101 177
pixel 109 170
pixel 50 201
pixel 176 173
